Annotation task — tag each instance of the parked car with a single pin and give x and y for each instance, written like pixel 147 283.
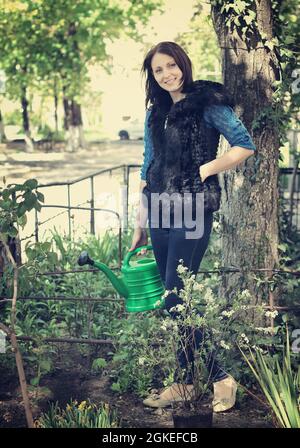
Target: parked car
pixel 131 128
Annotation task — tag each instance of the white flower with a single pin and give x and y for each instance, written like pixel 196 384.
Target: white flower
pixel 198 287
pixel 180 307
pixel 142 361
pixel 266 330
pixel 271 314
pixel 181 269
pixel 227 313
pixel 208 296
pixel 246 294
pixel 257 348
pixel 244 337
pixel 216 225
pixel 224 345
pixel 166 293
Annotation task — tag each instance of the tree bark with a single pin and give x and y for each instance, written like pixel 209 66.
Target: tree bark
pixel 2 131
pixel 73 125
pixel 249 209
pixel 55 113
pixel 26 123
pixel 73 117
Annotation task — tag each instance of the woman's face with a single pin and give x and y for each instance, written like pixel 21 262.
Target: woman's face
pixel 166 72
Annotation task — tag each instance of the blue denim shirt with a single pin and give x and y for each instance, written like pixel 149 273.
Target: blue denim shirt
pixel 221 118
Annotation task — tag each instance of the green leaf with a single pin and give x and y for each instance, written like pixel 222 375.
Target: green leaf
pixel 5 194
pixel 40 196
pixel 46 246
pixel 29 200
pixel 31 183
pixel 35 381
pixel 6 205
pixel 120 357
pixel 38 206
pixel 99 363
pixel 45 365
pixel 116 387
pixel 22 221
pixel 21 210
pixel 12 231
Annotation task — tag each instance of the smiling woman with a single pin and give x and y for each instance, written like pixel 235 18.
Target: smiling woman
pixel 183 127
pixel 167 74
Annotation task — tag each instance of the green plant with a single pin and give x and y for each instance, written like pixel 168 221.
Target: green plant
pixel 98 364
pixel 15 201
pixel 205 321
pixel 139 349
pixel 279 383
pixel 83 415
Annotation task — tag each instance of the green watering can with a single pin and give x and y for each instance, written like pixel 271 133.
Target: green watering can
pixel 140 282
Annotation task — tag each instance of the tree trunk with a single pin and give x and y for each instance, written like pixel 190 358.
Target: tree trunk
pixel 73 125
pixel 55 113
pixel 249 210
pixel 26 126
pixel 2 131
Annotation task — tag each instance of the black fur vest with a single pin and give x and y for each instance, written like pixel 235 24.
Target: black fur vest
pixel 182 143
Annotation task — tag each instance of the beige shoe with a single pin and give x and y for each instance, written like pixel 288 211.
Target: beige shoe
pixel 224 394
pixel 174 393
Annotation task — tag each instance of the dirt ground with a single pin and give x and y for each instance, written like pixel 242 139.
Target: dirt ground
pixel 68 382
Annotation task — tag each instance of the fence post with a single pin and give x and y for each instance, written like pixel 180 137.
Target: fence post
pixel 92 201
pixel 69 210
pixel 36 225
pixel 125 197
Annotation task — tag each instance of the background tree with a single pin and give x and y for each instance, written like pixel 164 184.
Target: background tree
pixel 248 36
pixel 55 42
pixel 201 43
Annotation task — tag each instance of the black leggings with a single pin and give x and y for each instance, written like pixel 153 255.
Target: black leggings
pixel 169 246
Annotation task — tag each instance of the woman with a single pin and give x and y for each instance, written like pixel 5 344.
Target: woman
pixel 182 131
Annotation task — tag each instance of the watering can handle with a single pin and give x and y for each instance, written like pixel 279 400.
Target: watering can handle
pixel 130 254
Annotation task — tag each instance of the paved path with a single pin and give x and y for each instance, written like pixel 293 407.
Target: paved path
pixel 47 167
pixel 18 166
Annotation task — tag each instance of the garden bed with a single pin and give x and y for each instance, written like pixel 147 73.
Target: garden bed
pixel 73 380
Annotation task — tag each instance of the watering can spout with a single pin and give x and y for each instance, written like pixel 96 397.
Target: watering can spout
pixel 117 283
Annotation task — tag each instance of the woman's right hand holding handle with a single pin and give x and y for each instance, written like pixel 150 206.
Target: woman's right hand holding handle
pixel 139 238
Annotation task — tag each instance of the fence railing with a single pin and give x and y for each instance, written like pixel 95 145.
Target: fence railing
pixel 289 187
pixel 289 182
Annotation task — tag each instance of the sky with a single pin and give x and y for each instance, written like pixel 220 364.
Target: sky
pixel 124 90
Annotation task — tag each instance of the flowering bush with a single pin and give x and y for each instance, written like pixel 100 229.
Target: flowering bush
pixel 220 323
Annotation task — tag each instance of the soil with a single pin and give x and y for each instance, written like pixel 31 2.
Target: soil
pixel 76 382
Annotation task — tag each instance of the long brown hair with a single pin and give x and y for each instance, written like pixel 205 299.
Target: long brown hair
pixel 154 93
